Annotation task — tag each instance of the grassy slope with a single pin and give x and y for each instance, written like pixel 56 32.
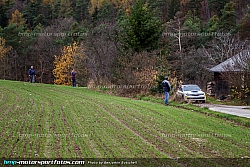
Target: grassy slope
pixel 47 121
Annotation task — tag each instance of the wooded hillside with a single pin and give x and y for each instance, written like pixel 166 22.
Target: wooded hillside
pixel 120 42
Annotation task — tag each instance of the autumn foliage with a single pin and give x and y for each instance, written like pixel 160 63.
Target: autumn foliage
pixel 98 4
pixel 17 18
pixel 3 48
pixel 64 64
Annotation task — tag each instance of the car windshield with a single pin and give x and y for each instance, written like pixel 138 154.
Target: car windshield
pixel 191 87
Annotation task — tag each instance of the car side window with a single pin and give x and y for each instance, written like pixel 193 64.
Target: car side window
pixel 180 89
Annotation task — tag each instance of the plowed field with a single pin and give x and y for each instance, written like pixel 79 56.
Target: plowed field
pixel 48 121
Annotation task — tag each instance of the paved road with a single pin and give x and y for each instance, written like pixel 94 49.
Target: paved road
pixel 242 111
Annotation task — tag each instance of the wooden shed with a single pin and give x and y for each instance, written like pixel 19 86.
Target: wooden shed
pixel 237 65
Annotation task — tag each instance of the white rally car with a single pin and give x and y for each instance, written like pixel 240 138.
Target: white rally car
pixel 191 93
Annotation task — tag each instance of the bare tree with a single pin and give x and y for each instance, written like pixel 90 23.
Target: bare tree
pixel 223 47
pixel 101 53
pixel 195 70
pixel 45 48
pixel 174 29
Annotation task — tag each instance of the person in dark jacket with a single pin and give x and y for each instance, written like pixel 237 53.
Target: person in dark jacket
pixel 73 76
pixel 166 89
pixel 32 74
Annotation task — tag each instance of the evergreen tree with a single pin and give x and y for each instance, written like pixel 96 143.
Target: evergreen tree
pixel 94 15
pixel 106 12
pixel 228 18
pixel 244 26
pixel 141 30
pixel 216 6
pixel 46 13
pixel 12 35
pixel 213 24
pixel 156 5
pixel 173 8
pixel 31 11
pixel 195 5
pixel 55 9
pixel 40 19
pixel 4 8
pixel 81 10
pixel 66 9
pixel 192 22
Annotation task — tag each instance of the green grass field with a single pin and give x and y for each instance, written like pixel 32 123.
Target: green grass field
pixel 49 121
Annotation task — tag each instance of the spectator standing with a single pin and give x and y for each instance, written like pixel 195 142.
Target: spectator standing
pixel 166 89
pixel 32 74
pixel 73 76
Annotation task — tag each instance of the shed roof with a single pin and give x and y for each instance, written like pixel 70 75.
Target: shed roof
pixel 236 63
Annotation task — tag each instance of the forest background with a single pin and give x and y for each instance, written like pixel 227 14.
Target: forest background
pixel 114 43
